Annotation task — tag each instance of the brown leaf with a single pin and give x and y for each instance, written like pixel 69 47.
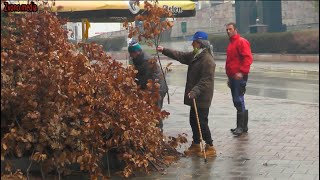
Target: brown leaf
pixel 8 167
pixel 29 137
pixel 4 146
pixel 74 132
pixel 170 158
pixel 18 151
pixel 80 159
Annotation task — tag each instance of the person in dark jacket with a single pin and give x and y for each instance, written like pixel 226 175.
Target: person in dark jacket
pixel 199 86
pixel 239 60
pixel 147 69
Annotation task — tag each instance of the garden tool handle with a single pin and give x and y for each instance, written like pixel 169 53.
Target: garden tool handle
pixel 201 140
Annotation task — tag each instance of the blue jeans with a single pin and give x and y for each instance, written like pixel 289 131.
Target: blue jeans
pixel 238 89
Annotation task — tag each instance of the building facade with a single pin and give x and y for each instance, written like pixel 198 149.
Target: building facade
pixel 277 16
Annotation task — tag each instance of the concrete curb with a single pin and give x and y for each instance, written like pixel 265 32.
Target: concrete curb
pixel 312 58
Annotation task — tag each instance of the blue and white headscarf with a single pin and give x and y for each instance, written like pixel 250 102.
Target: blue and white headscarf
pixel 134 47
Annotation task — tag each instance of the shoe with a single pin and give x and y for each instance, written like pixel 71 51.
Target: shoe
pixel 193 149
pixel 210 151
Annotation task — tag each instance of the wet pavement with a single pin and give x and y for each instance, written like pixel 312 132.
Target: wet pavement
pixel 300 86
pixel 283 137
pixel 282 143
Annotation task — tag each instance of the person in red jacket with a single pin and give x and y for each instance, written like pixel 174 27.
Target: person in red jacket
pixel 239 60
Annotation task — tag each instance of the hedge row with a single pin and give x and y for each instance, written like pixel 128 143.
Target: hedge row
pixel 294 42
pixel 110 44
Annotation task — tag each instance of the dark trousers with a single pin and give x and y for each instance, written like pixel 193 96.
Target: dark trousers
pixel 203 118
pixel 238 89
pixel 160 105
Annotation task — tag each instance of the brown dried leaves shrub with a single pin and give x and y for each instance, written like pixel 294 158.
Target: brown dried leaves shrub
pixel 60 106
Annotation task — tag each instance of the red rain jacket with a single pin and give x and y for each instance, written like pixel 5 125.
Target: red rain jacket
pixel 239 57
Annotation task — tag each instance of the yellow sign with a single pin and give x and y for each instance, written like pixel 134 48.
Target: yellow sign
pixel 175 6
pixel 115 11
pixel 85 32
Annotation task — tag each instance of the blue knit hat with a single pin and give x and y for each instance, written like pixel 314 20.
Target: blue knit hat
pixel 134 47
pixel 199 35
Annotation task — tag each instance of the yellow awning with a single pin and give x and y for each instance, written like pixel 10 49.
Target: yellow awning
pixel 104 5
pixel 114 11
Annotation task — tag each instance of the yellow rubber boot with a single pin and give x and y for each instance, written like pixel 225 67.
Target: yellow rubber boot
pixel 210 151
pixel 193 149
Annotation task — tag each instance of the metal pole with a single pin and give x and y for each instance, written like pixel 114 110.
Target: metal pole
pixel 83 30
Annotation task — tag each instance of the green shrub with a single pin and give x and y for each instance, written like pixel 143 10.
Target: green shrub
pixel 219 42
pixel 295 42
pixel 305 42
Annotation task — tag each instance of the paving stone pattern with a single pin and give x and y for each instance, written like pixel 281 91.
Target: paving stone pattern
pixel 282 142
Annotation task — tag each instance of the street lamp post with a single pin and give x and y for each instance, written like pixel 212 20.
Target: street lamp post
pixel 259 11
pixel 210 18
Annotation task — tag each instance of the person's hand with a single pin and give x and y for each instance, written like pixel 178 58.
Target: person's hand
pixel 238 76
pixel 159 48
pixel 229 85
pixel 191 95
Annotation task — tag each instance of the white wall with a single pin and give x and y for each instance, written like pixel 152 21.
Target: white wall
pixel 100 28
pixel 94 30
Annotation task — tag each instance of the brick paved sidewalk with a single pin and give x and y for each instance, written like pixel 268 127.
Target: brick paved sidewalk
pixel 282 143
